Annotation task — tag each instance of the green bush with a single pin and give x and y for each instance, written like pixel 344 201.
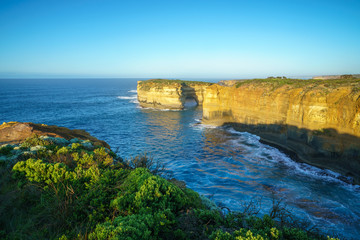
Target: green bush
pixel 134 227
pixel 245 234
pixel 38 171
pixel 72 192
pixel 295 234
pixel 221 235
pixel 142 191
pixel 6 150
pixel 34 141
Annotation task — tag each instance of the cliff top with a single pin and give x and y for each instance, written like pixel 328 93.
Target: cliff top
pixel 300 83
pixel 168 82
pixel 345 76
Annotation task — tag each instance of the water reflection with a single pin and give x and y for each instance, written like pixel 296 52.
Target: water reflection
pixel 163 128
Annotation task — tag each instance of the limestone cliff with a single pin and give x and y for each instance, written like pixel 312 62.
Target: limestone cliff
pixel 170 94
pixel 316 119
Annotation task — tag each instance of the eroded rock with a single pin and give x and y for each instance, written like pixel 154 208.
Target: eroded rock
pixel 168 94
pixel 17 132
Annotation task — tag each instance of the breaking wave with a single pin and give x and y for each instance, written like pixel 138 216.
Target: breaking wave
pixel 127 97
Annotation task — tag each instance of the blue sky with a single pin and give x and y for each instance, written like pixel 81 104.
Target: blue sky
pixel 178 39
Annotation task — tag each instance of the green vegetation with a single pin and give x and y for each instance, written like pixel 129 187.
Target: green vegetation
pixel 168 82
pixel 51 188
pixel 300 83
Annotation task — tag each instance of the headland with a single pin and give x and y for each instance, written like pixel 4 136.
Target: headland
pixel 318 121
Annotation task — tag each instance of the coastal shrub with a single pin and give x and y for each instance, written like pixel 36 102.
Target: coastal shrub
pixel 234 220
pixel 294 233
pixel 144 161
pixel 209 217
pixel 221 235
pixel 37 171
pixel 63 150
pixel 142 191
pixel 34 141
pixel 68 191
pixel 102 157
pixel 189 226
pixel 6 150
pixel 245 234
pixel 77 190
pixel 134 227
pixel 75 146
pixel 197 223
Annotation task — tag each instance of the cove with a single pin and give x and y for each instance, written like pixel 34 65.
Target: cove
pixel 227 165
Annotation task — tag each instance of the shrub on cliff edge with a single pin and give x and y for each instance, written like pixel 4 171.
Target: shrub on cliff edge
pixel 71 191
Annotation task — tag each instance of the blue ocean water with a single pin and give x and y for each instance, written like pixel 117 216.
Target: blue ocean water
pixel 228 166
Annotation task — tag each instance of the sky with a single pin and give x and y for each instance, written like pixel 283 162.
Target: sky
pixel 178 39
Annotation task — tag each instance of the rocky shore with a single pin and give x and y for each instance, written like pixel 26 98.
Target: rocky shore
pixel 17 132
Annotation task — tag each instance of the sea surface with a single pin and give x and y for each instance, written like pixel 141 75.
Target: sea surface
pixel 232 168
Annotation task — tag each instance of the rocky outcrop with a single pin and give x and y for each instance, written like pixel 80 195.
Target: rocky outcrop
pixel 317 120
pixel 167 94
pixel 17 132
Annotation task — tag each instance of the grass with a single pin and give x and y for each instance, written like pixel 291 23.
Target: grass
pixel 168 82
pixel 275 83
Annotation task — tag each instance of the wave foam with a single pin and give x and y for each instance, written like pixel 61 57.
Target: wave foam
pixel 200 126
pixel 133 91
pixel 271 154
pixel 158 109
pixel 127 97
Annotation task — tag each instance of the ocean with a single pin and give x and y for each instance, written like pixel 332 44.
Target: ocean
pixel 231 168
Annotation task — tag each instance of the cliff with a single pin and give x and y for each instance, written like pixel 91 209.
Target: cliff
pixel 170 94
pixel 319 120
pixel 17 132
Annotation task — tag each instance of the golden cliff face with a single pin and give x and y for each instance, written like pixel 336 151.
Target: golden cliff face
pixel 312 108
pixel 167 94
pixel 320 121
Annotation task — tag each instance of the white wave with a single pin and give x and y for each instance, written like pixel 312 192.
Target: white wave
pixel 169 110
pixel 257 150
pixel 200 126
pixel 158 109
pixel 299 168
pixel 133 91
pixel 127 97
